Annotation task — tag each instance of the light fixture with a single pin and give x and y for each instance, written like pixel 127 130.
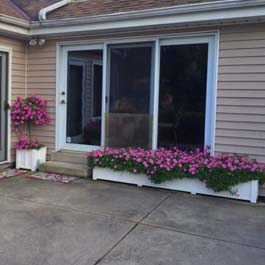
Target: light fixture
pixel 42 41
pixel 33 42
pixel 37 41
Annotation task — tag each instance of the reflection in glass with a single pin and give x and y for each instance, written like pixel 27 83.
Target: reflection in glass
pixel 129 117
pixel 84 97
pixel 182 99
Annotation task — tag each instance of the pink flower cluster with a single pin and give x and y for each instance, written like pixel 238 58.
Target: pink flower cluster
pixel 25 144
pixel 31 109
pixel 153 161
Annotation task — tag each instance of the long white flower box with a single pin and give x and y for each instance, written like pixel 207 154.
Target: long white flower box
pixel 30 159
pixel 246 191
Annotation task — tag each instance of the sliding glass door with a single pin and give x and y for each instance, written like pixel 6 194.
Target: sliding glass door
pixel 182 95
pixel 3 102
pixel 130 89
pixel 159 93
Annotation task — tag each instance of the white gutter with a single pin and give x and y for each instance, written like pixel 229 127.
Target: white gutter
pixel 156 12
pixel 43 12
pixel 223 12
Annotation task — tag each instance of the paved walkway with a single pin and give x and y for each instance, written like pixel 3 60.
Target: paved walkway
pixel 89 223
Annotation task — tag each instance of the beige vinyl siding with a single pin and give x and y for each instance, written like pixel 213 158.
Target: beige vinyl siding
pixel 240 119
pixel 42 82
pixel 18 86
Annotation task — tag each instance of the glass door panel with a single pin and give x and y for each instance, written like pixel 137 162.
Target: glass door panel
pixel 84 98
pixel 182 95
pixel 129 112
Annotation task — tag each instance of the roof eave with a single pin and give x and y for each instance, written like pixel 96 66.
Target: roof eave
pixel 14 26
pixel 221 12
pixel 233 11
pixel 155 12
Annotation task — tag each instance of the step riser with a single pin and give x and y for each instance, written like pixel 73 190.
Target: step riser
pixel 69 158
pixel 262 191
pixel 85 173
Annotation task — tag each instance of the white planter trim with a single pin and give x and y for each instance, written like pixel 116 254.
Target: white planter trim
pixel 30 159
pixel 246 191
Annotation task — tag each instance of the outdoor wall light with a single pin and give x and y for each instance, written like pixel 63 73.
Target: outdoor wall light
pixel 33 42
pixel 38 41
pixel 42 41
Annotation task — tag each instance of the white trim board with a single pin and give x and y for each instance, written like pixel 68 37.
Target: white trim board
pixel 212 38
pixel 9 51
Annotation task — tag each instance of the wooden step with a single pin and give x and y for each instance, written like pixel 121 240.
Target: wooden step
pixel 69 157
pixel 69 169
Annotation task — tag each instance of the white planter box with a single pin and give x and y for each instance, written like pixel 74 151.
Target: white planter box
pixel 246 191
pixel 30 159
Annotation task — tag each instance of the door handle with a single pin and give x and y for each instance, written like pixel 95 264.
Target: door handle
pixel 62 101
pixel 5 105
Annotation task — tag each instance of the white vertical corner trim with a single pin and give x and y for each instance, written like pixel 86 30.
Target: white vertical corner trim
pixel 43 12
pixel 58 89
pixel 156 94
pixel 211 99
pixel 9 51
pixel 104 94
pixel 26 69
pixel 215 87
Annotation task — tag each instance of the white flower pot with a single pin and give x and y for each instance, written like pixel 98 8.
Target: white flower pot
pixel 246 191
pixel 30 159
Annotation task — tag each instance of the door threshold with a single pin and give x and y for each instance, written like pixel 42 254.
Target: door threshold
pixel 71 151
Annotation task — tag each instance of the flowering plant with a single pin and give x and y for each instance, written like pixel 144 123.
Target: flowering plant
pixel 24 144
pixel 219 173
pixel 25 112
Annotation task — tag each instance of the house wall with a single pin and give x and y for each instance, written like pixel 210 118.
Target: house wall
pixel 41 72
pixel 240 118
pixel 240 126
pixel 18 84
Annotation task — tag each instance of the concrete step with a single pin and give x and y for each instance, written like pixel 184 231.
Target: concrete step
pixel 262 191
pixel 69 157
pixel 72 169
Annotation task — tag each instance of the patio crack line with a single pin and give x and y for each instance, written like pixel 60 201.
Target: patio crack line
pixel 201 236
pixel 131 230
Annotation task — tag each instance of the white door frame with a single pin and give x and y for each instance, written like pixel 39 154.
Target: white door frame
pixel 61 108
pixel 211 86
pixel 9 52
pixel 212 38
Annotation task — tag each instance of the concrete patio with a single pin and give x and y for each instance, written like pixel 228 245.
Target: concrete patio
pixel 89 223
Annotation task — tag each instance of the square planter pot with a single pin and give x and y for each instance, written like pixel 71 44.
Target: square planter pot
pixel 30 159
pixel 246 191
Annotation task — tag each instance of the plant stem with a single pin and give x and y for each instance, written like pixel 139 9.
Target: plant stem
pixel 29 130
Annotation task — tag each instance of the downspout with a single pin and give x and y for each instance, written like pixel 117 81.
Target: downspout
pixel 43 12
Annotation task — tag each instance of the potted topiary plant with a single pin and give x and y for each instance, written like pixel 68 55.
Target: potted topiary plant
pixel 25 113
